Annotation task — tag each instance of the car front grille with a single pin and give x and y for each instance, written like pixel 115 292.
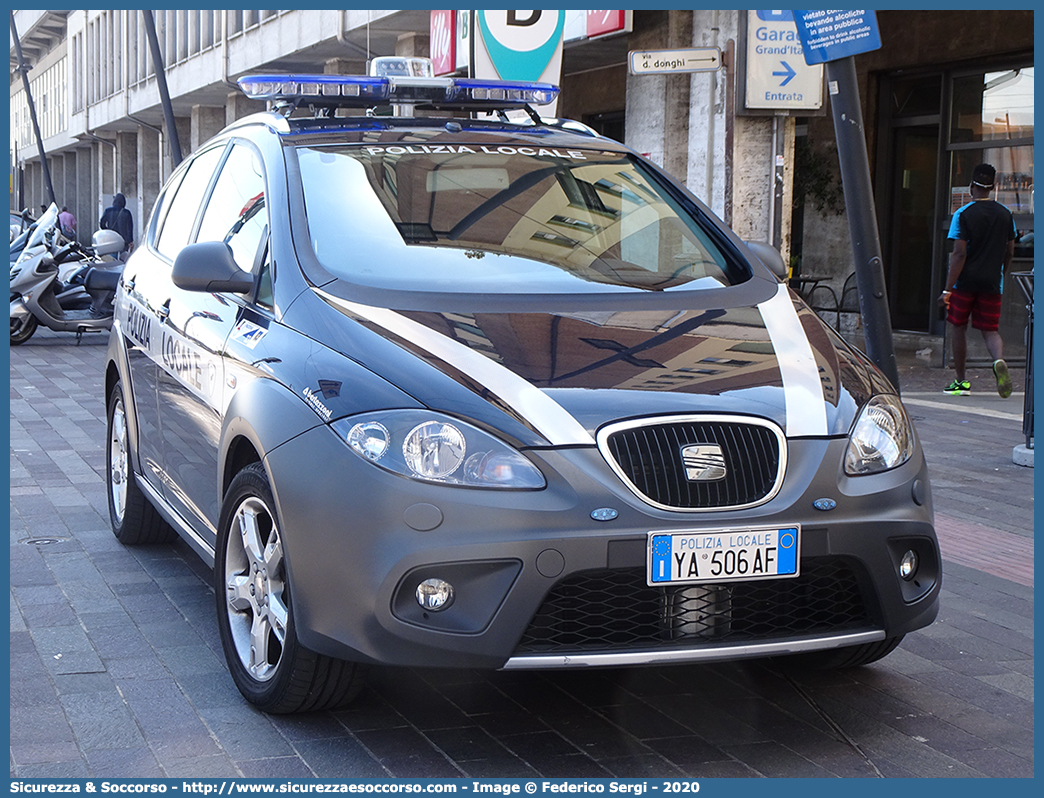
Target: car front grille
pixel 648 456
pixel 616 611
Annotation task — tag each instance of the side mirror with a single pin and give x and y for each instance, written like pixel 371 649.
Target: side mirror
pixel 209 266
pixel 770 256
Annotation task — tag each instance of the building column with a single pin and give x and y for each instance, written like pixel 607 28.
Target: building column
pixel 657 119
pixel 63 177
pixel 127 176
pixel 206 121
pixel 149 172
pixel 238 105
pixel 86 221
pixel 57 163
pixel 344 66
pixel 103 175
pixel 184 128
pixel 709 163
pixel 752 177
pixel 413 45
pixel 38 190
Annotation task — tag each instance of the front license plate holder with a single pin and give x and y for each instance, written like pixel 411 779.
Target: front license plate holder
pixel 695 557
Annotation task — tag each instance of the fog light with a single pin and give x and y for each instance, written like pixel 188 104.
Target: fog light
pixel 908 565
pixel 434 594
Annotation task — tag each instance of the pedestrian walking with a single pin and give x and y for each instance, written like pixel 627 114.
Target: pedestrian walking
pixel 67 222
pixel 983 234
pixel 117 217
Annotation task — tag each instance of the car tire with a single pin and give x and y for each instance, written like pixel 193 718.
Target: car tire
pixel 847 657
pixel 134 520
pixel 271 668
pixel 20 333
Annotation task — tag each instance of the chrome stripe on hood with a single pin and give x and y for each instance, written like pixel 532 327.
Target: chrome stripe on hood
pixel 544 414
pixel 802 387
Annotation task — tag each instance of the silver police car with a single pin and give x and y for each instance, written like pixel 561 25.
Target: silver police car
pixel 454 388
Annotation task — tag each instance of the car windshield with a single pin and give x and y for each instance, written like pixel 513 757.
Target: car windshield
pixel 502 220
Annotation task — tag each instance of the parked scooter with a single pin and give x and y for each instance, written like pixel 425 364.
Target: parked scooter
pixel 81 302
pixel 44 232
pixel 19 223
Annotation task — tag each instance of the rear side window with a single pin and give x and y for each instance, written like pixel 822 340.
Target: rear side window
pixel 182 209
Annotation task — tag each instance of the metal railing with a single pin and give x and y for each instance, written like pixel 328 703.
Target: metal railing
pixel 1025 281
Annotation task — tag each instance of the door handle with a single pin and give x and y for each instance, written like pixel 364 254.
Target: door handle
pixel 128 285
pixel 163 311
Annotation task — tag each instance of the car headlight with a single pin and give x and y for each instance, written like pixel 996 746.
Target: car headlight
pixel 435 448
pixel 881 438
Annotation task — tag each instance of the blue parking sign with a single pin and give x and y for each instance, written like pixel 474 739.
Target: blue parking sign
pixel 775 16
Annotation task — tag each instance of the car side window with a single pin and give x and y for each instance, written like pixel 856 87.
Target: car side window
pixel 235 212
pixel 264 284
pixel 181 211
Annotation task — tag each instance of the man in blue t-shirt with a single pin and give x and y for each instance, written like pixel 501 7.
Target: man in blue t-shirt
pixel 983 234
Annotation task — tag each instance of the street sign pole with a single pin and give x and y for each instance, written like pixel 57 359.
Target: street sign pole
pixel 835 38
pixel 862 218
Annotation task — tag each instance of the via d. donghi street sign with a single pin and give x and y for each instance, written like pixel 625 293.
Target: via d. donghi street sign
pixel 666 62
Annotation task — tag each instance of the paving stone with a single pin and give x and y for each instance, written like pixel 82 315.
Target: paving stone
pixel 216 766
pixel 538 746
pixel 245 733
pixel 469 742
pixel 45 753
pixel 572 766
pixel 1000 764
pixel 343 757
pixel 101 720
pixel 511 723
pixel 773 760
pixel 641 766
pixel 508 767
pixel 407 753
pixel 284 767
pixel 57 769
pixel 688 752
pixel 39 725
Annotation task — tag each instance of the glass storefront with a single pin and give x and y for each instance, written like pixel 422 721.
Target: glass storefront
pixel 936 127
pixel 991 121
pixel 995 111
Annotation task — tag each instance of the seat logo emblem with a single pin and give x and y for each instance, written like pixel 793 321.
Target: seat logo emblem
pixel 704 462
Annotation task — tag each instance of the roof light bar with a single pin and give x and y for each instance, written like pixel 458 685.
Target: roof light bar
pixel 358 91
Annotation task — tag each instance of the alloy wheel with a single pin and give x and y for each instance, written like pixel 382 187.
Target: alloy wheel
pixel 118 461
pixel 255 589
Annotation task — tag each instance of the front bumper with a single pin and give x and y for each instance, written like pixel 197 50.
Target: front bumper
pixel 359 540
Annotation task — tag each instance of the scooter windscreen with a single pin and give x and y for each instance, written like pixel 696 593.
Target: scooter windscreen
pixel 45 226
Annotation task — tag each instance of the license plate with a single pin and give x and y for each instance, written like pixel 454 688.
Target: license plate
pixel 727 555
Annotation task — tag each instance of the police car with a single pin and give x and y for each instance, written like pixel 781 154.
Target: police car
pixel 431 380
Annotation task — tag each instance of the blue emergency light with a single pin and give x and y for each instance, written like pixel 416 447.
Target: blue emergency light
pixel 399 81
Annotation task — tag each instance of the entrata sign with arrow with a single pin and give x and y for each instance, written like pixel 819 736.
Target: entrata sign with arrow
pixel 787 74
pixel 777 77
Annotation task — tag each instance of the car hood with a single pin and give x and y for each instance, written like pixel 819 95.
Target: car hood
pixel 556 377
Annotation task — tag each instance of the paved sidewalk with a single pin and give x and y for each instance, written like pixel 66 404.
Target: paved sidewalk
pixel 117 671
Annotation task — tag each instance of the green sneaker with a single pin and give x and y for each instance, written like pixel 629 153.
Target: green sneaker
pixel 1000 371
pixel 958 388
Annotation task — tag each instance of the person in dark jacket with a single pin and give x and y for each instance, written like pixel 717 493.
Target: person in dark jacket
pixel 118 218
